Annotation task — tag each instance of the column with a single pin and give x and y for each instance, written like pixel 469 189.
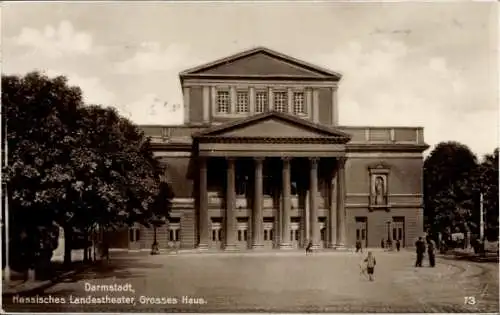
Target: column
pixel 206 104
pixel 341 203
pixel 251 98
pixel 203 204
pixel 313 199
pixel 230 231
pixel 315 106
pixel 332 213
pixel 285 214
pixel 290 101
pixel 186 93
pixel 232 96
pixel 335 107
pixel 257 217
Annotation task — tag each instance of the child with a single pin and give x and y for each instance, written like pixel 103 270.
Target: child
pixel 370 265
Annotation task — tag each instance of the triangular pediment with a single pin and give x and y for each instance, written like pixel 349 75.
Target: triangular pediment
pixel 273 125
pixel 261 62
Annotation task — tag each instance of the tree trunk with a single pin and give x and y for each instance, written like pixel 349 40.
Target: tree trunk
pixel 85 245
pixel 68 245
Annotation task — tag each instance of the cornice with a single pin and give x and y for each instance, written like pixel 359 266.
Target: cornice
pixel 290 140
pixel 389 147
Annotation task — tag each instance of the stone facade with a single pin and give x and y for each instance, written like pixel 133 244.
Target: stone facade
pixel 261 162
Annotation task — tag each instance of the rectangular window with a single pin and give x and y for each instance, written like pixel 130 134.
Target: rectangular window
pixel 260 102
pixel 223 101
pixel 242 102
pixel 239 235
pixel 265 235
pixel 214 235
pixel 298 103
pixel 245 235
pixel 271 235
pixel 280 101
pixel 171 235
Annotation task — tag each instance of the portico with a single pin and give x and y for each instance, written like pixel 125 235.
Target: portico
pixel 293 149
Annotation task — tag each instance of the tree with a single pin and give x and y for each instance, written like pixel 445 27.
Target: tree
pixel 39 114
pixel 450 202
pixel 71 164
pixel 487 184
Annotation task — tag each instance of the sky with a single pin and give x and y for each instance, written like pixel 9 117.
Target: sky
pixel 433 65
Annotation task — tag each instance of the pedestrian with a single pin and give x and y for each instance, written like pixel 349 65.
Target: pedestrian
pixel 431 247
pixel 398 245
pixel 309 247
pixel 382 243
pixel 370 265
pixel 420 248
pixel 358 246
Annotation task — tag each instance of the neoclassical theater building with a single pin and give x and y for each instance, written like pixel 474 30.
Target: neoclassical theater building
pixel 261 162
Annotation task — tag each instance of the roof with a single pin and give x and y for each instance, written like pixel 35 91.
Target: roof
pixel 315 71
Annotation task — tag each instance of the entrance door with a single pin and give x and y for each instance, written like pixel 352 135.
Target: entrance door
pixel 216 236
pixel 398 230
pixel 322 232
pixel 268 233
pixel 361 231
pixel 134 238
pixel 295 234
pixel 242 236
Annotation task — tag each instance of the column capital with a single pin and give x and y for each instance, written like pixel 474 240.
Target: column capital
pixel 341 160
pixel 314 159
pixel 258 159
pixel 286 158
pixel 230 158
pixel 202 161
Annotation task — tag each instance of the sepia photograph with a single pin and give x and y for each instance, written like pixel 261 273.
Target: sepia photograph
pixel 250 157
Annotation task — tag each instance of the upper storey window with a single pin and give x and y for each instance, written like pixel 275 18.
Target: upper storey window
pixel 242 102
pixel 223 101
pixel 260 102
pixel 280 101
pixel 298 103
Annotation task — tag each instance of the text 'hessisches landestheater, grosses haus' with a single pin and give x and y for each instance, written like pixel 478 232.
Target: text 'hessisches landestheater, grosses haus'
pixel 261 162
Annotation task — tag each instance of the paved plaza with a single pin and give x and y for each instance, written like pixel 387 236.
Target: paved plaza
pixel 278 282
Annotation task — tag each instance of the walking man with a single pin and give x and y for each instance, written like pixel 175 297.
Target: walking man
pixel 398 245
pixel 420 247
pixel 358 246
pixel 431 247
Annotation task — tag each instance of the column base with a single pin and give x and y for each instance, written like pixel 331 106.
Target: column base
pixel 332 245
pixel 6 274
pixel 231 248
pixel 340 247
pixel 285 246
pixel 257 246
pixel 202 247
pixel 317 246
